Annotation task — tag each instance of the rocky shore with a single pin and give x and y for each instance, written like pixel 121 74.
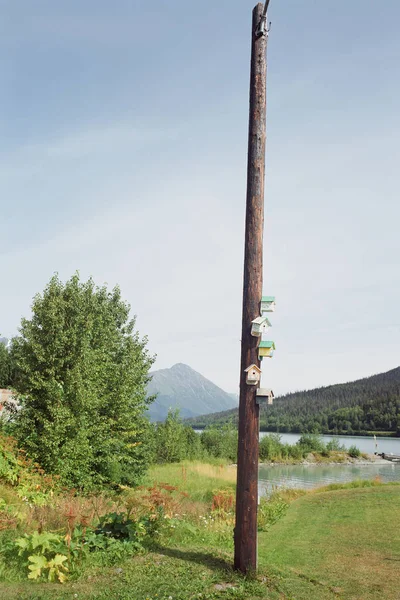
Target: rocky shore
pixel 337 458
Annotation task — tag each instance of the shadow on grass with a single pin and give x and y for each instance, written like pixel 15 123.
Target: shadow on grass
pixel 201 558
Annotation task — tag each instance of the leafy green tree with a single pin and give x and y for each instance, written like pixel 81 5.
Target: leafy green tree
pixel 175 441
pixel 221 442
pixel 81 373
pixel 5 367
pixel 194 449
pixel 270 447
pixel 170 439
pixel 311 443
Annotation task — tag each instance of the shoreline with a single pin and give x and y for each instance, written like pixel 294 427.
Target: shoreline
pixel 313 461
pixel 365 434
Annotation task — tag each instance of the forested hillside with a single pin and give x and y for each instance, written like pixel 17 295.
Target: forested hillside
pixel 370 404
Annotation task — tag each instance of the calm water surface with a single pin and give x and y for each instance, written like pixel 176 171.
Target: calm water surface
pixel 307 477
pixel 364 443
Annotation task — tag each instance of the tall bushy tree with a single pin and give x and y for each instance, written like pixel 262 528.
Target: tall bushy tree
pixel 5 367
pixel 175 441
pixel 81 373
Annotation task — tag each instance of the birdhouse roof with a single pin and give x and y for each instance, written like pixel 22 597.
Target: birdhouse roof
pixel 268 299
pixel 253 367
pixel 261 321
pixel 267 345
pixel 265 392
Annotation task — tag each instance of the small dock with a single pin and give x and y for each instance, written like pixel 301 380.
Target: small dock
pixel 392 457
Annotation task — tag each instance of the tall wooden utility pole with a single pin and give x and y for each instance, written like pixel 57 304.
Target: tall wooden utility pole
pixel 247 468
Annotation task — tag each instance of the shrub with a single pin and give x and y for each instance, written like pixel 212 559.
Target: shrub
pixel 220 442
pixel 174 441
pixel 270 511
pixel 194 449
pixel 29 479
pixel 295 452
pixel 130 532
pixel 270 447
pixel 311 442
pixel 354 452
pixel 120 527
pixel 335 446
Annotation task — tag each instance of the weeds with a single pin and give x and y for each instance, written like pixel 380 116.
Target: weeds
pixel 33 485
pixel 270 511
pixel 62 531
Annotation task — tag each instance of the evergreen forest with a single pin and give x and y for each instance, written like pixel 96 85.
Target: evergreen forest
pixel 368 405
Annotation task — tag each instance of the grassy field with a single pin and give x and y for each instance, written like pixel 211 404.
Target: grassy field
pixel 337 543
pixel 345 542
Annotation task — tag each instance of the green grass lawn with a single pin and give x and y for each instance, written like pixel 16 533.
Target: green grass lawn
pixel 345 541
pixel 337 544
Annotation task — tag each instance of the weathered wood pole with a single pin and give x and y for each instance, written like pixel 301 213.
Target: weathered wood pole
pixel 247 468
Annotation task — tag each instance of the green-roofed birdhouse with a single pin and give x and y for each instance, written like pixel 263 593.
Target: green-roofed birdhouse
pixel 267 304
pixel 266 350
pixel 260 326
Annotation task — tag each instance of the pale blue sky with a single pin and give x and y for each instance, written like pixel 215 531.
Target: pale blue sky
pixel 123 134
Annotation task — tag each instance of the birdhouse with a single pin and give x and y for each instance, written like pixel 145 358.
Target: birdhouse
pixel 267 304
pixel 263 394
pixel 253 375
pixel 260 326
pixel 266 349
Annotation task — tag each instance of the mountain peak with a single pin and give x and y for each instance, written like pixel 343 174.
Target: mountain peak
pixel 182 367
pixel 182 387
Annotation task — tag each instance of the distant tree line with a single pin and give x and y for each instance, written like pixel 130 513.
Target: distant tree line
pixel 367 405
pixel 175 441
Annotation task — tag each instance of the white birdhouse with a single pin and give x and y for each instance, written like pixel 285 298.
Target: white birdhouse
pixel 265 395
pixel 260 326
pixel 267 304
pixel 253 375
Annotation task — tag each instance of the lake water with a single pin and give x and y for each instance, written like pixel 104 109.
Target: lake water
pixel 307 477
pixel 364 443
